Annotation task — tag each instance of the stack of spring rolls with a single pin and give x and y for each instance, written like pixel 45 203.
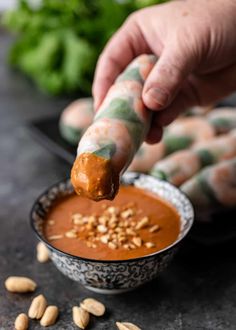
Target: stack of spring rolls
pixel 197 152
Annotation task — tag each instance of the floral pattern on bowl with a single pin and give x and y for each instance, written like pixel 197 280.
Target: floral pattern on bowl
pixel 119 275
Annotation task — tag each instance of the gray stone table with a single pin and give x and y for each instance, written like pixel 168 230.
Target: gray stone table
pixel 198 290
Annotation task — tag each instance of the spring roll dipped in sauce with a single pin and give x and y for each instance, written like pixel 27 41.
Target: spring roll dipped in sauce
pixel 119 127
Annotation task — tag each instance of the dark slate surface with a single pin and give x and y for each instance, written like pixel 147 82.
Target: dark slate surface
pixel 198 291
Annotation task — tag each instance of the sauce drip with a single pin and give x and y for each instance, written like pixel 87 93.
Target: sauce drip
pixel 93 177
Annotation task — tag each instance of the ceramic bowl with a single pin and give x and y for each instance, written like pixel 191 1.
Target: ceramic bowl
pixel 119 275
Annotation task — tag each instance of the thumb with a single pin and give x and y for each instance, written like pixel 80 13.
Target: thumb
pixel 167 76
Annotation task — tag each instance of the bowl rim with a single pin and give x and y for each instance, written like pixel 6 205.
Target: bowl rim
pixel 65 180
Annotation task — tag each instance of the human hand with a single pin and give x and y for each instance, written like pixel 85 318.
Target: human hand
pixel 196 45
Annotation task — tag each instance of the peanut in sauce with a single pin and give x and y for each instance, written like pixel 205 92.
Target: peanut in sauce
pixel 134 224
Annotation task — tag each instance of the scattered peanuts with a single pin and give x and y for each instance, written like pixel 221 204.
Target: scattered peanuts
pixel 142 223
pixel 51 222
pixel 154 228
pixel 42 252
pixel 116 227
pixel 130 232
pixel 102 229
pixel 127 326
pixel 78 221
pixel 49 317
pixel 20 284
pixel 80 317
pixel 149 245
pixel 104 239
pixel 93 306
pixel 132 246
pixel 37 307
pixel 22 322
pixel 80 314
pixel 112 245
pixel 112 210
pixel 76 217
pixel 91 245
pixel 127 213
pixel 126 246
pixel 55 237
pixel 71 234
pixel 103 220
pixel 137 241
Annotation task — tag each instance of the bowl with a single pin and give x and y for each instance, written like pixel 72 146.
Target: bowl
pixel 119 275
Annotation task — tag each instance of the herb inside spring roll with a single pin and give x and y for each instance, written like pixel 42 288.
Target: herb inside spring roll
pixel 182 165
pixel 120 126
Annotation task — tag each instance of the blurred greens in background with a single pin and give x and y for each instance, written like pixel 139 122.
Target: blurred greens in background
pixel 58 41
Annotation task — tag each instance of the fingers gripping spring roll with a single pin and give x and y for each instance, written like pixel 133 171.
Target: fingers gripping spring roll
pixel 120 126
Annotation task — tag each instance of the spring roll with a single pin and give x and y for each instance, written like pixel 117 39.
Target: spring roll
pixel 223 119
pixel 119 127
pixel 75 119
pixel 182 165
pixel 213 186
pixel 181 134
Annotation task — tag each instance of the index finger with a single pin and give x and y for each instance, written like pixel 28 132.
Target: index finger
pixel 126 44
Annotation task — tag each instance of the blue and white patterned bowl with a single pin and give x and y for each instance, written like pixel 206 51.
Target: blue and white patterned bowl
pixel 121 275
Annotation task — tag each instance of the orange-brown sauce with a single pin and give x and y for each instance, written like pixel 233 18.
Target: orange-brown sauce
pixel 93 177
pixel 159 212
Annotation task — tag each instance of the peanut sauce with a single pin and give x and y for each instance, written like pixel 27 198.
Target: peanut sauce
pixel 93 177
pixel 151 222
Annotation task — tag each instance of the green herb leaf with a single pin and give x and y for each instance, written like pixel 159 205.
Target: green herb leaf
pixel 107 151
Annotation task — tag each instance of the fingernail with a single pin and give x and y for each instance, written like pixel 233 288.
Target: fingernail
pixel 158 97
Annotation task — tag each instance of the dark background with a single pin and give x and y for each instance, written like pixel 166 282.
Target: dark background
pixel 198 290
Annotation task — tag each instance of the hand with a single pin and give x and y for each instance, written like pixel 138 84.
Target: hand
pixel 196 45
